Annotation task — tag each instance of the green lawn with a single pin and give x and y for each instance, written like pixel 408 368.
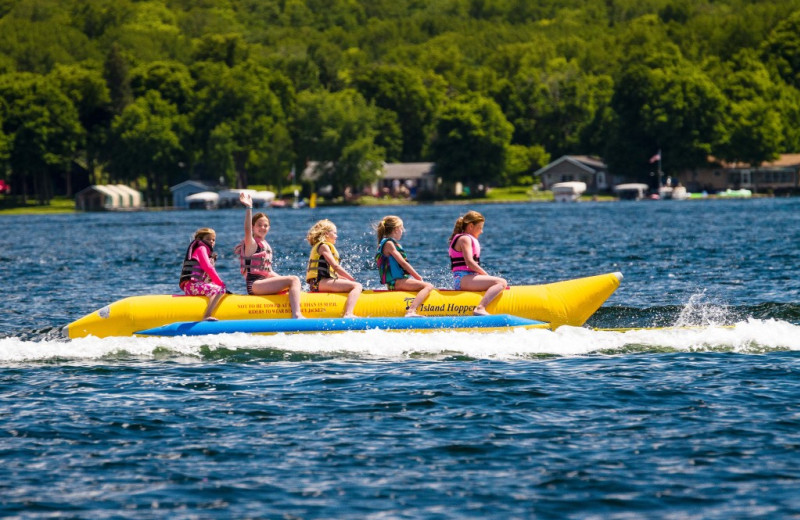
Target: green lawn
pixel 57 205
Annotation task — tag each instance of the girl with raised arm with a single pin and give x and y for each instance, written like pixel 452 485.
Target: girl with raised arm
pixel 255 258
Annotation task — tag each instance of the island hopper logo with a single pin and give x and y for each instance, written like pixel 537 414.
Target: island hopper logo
pixel 446 309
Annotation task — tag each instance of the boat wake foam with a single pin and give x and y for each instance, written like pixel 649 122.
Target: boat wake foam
pixel 748 336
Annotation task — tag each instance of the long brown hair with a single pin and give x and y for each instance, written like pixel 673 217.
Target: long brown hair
pixel 470 217
pixel 387 225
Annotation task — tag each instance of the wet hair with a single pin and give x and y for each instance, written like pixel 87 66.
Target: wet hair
pixel 470 217
pixel 387 226
pixel 258 216
pixel 319 230
pixel 202 233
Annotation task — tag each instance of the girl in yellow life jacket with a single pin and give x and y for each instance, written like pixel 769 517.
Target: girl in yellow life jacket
pixel 325 273
pixel 393 264
pixel 255 256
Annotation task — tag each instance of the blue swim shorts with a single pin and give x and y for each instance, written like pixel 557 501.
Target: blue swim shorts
pixel 457 276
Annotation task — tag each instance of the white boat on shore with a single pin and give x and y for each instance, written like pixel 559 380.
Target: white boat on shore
pixel 569 191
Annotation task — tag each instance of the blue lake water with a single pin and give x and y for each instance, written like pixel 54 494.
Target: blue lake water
pixel 694 414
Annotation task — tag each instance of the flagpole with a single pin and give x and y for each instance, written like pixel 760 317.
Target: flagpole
pixel 659 169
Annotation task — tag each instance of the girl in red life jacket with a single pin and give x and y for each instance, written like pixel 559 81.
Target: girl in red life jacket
pixel 255 255
pixel 324 272
pixel 198 276
pixel 393 265
pixel 465 259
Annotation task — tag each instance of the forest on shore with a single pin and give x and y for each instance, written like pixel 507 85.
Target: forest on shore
pixel 150 93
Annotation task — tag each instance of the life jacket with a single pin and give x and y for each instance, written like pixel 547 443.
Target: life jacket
pixel 457 262
pixel 388 266
pixel 318 267
pixel 260 263
pixel 191 269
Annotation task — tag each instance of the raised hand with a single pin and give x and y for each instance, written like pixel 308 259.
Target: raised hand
pixel 246 199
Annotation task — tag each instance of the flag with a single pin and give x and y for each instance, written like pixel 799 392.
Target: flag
pixel 656 157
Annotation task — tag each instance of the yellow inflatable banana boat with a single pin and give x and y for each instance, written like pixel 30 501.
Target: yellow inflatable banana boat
pixel 569 302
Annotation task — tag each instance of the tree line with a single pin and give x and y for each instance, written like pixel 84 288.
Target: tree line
pixel 155 92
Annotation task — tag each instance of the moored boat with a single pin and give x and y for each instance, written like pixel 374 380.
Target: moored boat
pixel 569 302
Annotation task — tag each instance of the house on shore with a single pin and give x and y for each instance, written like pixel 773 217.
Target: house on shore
pixel 577 168
pixel 108 197
pixel 406 179
pixel 779 176
pixel 184 189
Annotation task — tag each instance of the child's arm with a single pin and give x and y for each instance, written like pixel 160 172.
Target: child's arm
pixel 249 241
pixel 466 250
pixel 392 250
pixel 201 256
pixel 325 252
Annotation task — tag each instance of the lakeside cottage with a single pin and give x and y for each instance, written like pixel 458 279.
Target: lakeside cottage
pixel 183 190
pixel 779 176
pixel 592 171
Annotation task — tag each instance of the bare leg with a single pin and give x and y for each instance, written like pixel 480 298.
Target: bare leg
pixel 276 284
pixel 212 304
pixel 479 282
pixel 412 284
pixel 339 285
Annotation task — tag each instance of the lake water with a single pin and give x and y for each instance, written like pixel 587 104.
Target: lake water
pixel 694 414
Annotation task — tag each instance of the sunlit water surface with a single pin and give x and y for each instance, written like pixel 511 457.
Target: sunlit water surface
pixel 691 414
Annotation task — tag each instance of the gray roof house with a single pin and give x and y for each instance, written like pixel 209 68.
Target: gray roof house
pixel 417 176
pixel 582 168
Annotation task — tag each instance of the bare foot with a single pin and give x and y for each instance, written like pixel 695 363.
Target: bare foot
pixel 299 317
pixel 349 316
pixel 480 312
pixel 413 314
pixel 211 318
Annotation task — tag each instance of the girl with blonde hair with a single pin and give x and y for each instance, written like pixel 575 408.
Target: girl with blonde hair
pixel 465 259
pixel 396 272
pixel 324 272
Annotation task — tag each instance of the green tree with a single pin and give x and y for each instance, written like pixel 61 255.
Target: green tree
pixel 230 49
pixel 521 162
pixel 664 103
pixel 256 126
pixel 755 126
pixel 170 78
pixel 553 106
pixel 401 90
pixel 146 141
pixel 471 139
pixel 338 131
pixel 782 49
pixel 117 76
pixel 89 94
pixel 44 130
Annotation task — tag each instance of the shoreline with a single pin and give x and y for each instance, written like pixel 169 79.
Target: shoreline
pixel 63 209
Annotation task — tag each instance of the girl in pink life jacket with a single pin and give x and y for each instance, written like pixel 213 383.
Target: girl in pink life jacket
pixel 465 258
pixel 255 256
pixel 198 276
pixel 393 265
